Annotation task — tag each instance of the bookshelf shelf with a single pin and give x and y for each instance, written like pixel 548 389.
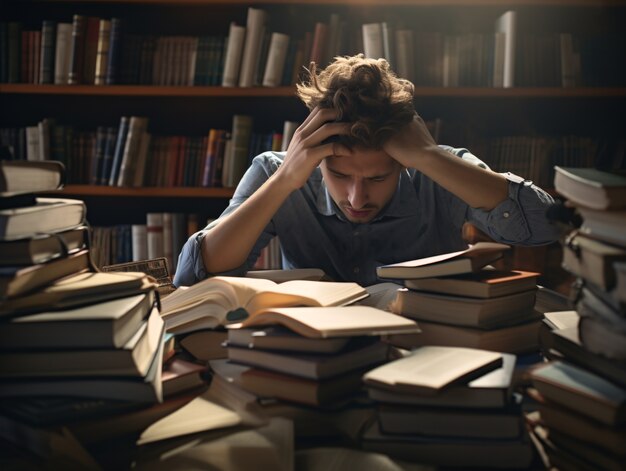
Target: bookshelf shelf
pixel 424 3
pixel 289 91
pixel 146 192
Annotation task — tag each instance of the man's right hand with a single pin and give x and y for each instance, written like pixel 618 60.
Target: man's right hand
pixel 306 149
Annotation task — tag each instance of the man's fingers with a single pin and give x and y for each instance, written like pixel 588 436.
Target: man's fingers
pixel 325 131
pixel 318 117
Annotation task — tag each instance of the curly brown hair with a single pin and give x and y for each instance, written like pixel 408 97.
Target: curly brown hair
pixel 366 93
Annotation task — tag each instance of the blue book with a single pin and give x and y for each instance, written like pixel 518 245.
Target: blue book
pixel 115 46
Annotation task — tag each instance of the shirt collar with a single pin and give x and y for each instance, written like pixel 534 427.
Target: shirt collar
pixel 402 204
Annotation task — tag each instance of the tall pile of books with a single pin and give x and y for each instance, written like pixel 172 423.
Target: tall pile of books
pixel 72 340
pixel 312 355
pixel 581 392
pixel 448 406
pixel 460 301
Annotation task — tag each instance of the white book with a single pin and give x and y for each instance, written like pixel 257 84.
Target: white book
pixel 289 128
pixel 44 139
pixel 139 242
pixel 507 23
pixel 276 57
pixel 62 53
pixel 255 27
pixel 234 49
pixel 373 40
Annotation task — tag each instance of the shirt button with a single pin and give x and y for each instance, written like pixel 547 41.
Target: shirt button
pixel 505 214
pixel 356 269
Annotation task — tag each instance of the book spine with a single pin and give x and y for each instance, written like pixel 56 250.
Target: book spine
pixel 255 26
pixel 102 52
pixel 154 231
pixel 77 49
pixel 48 42
pixel 276 57
pixel 318 45
pixel 14 46
pixel 373 40
pixel 139 242
pixel 136 128
pixel 62 53
pixel 92 34
pixel 115 45
pixel 234 49
pixel 241 135
pixel 119 150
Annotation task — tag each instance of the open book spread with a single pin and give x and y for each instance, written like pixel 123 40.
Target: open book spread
pixel 207 303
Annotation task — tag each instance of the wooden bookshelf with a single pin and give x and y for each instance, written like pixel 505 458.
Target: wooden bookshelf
pixel 146 192
pixel 268 92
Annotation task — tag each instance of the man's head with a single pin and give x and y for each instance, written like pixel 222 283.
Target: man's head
pixel 367 94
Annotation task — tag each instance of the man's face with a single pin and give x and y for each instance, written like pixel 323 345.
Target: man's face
pixel 361 183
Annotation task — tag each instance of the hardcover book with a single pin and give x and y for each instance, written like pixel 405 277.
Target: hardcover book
pixel 591 188
pixel 19 176
pixel 108 324
pixel 469 260
pixel 430 369
pixel 42 248
pixel 482 284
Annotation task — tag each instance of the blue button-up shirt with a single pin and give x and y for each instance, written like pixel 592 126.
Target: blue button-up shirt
pixel 421 219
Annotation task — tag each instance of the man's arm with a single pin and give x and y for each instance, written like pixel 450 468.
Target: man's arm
pixel 228 244
pixel 414 147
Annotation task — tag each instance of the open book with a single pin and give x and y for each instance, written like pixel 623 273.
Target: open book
pixel 469 260
pixel 208 303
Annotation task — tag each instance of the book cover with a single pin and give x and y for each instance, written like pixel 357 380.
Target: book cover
pixel 454 263
pixel 255 28
pixel 46 58
pixel 485 313
pixel 62 53
pixel 360 355
pixel 48 215
pixel 507 24
pixel 280 338
pixel 42 248
pixel 482 284
pixel 77 50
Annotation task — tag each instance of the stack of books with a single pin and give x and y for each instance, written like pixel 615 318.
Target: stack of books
pixel 581 393
pixel 459 301
pixel 448 406
pixel 67 331
pixel 312 355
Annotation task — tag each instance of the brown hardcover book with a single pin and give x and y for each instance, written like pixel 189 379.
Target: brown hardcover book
pixel 179 376
pixel 428 370
pixel 48 215
pixel 482 284
pixel 269 384
pixel 486 313
pixel 360 354
pixel 469 260
pixel 582 391
pixel 92 33
pixel 518 338
pixel 280 338
pixel 591 188
pixel 503 423
pixel 22 280
pixel 102 52
pixel 205 345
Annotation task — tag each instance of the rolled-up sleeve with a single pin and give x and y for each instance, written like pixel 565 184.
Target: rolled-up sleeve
pixel 190 268
pixel 521 218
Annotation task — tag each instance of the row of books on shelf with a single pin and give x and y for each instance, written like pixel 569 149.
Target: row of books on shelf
pixel 92 50
pixel 128 155
pixel 581 393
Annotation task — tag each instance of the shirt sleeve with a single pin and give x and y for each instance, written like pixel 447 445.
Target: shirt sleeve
pixel 520 219
pixel 190 268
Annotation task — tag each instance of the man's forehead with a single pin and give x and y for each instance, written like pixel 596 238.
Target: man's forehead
pixel 371 163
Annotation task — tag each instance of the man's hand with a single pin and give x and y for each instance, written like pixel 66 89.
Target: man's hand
pixel 410 144
pixel 306 150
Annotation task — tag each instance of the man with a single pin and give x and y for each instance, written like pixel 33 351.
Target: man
pixel 362 184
